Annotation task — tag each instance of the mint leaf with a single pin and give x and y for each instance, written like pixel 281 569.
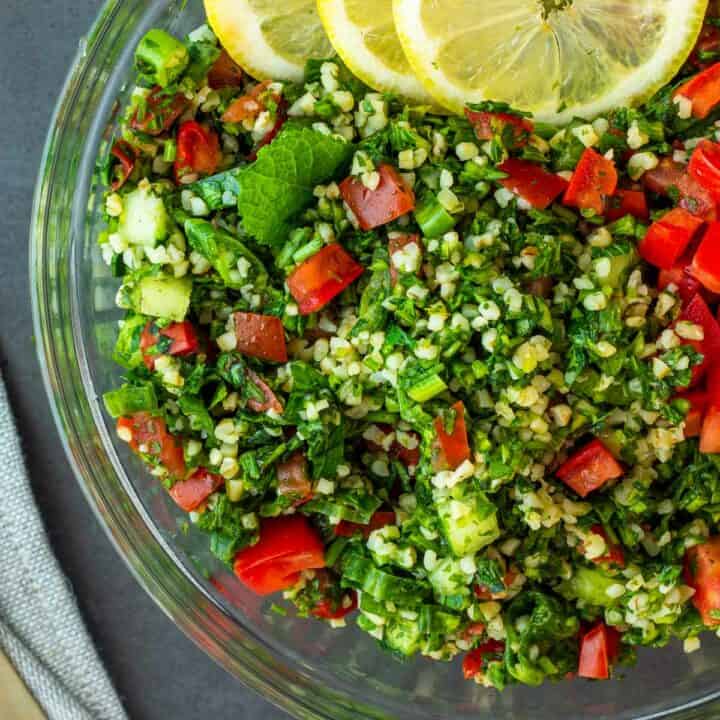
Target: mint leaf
pixel 280 183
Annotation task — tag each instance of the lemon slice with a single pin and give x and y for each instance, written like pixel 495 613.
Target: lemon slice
pixel 554 58
pixel 269 39
pixel 363 34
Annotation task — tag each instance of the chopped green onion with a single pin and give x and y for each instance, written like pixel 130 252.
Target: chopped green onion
pixel 161 57
pixel 427 388
pixel 434 220
pixel 170 150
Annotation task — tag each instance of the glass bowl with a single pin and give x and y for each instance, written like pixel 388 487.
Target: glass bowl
pixel 301 665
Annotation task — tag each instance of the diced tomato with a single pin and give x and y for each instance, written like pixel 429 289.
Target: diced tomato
pixel 270 135
pixel 698 400
pixel 453 448
pixel 706 262
pixel 541 287
pixel 679 276
pixel 160 112
pixel 198 150
pixel 247 107
pixel 390 200
pixel 703 90
pixel 532 182
pixel 627 202
pixel 379 520
pixel 149 436
pixel 182 334
pixel 705 167
pixel 589 468
pixel 225 72
pixel 326 609
pixel 293 478
pixel 287 546
pixel 665 176
pixel 191 493
pixel 594 180
pixel 710 432
pixel 261 336
pixel 125 154
pixel 696 199
pixel 702 572
pixel 614 555
pixel 488 124
pixel 315 282
pixel 667 239
pixel 398 241
pixel 409 457
pixel 697 312
pixel 476 661
pixel 270 402
pixel 599 648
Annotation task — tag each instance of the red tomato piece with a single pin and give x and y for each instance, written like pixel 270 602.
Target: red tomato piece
pixel 293 478
pixel 705 167
pixel 273 132
pixel 225 72
pixel 698 400
pixel 125 154
pixel 379 520
pixel 615 554
pixel 315 282
pixel 160 112
pixel 710 432
pixel 249 106
pixel 532 182
pixel 390 200
pixel 668 238
pixel 679 276
pixel 326 609
pixel 599 648
pixel 702 572
pixel 589 468
pixel 706 262
pixel 664 177
pixel 697 312
pixel 703 91
pixel 184 340
pixel 270 402
pixel 454 448
pixel 260 336
pixel 398 241
pixel 149 436
pixel 198 150
pixel 488 124
pixel 287 546
pixel 189 494
pixel 627 202
pixel 475 662
pixel 594 180
pixel 696 199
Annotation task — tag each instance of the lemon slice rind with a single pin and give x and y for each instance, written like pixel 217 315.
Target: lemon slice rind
pixel 239 27
pixel 684 20
pixel 348 40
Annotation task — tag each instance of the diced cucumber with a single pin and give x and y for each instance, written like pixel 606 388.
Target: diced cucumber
pixel 127 348
pixel 447 578
pixel 163 297
pixel 403 636
pixel 130 399
pixel 591 585
pixel 469 523
pixel 144 220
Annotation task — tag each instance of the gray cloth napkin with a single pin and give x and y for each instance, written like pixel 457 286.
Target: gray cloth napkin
pixel 41 630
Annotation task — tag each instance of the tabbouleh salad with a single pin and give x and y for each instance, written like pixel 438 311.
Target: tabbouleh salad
pixel 449 378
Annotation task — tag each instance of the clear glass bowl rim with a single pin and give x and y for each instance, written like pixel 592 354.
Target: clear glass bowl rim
pixel 154 564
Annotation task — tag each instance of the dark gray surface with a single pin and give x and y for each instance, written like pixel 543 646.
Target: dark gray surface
pixel 157 671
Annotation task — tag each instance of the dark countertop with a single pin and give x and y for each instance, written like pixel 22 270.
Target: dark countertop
pixel 158 672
